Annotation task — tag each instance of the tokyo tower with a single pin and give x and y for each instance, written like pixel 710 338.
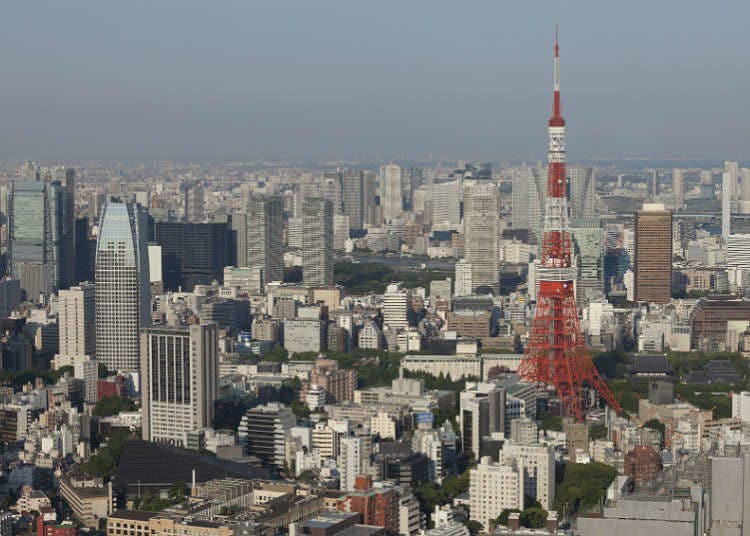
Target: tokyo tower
pixel 556 353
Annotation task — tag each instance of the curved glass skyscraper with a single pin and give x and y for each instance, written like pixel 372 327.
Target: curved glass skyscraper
pixel 123 297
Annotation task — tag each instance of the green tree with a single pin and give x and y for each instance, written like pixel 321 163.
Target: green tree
pixel 534 518
pixel 502 519
pixel 655 424
pixel 583 486
pixel 475 527
pixel 112 405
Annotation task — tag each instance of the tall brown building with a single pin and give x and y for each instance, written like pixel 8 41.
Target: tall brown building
pixel 653 254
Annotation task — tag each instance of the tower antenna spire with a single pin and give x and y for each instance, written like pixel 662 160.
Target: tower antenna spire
pixel 556 353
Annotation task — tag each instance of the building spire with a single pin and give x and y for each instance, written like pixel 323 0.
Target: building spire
pixel 556 110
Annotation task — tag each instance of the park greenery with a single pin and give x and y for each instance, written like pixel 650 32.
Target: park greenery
pixel 112 405
pixel 150 502
pixel 582 486
pixel 104 462
pixel 17 379
pixel 433 494
pixel 373 277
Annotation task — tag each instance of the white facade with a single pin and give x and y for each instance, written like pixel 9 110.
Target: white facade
pixel 395 306
pixel 446 205
pixel 538 462
pixel 383 425
pixel 493 488
pixel 88 371
pixel 464 282
pixel 391 192
pixel 481 234
pixel 429 443
pixel 123 295
pixel 77 324
pixel 317 242
pixel 354 460
pixel 741 406
pixel 370 337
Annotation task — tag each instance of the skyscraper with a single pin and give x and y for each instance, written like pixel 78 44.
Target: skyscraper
pixel 331 189
pixel 194 203
pixel 582 192
pixel 464 284
pixel 653 254
pixel 391 192
pixel 395 306
pixel 588 239
pixel 265 236
pixel 123 297
pixel 481 235
pixel 77 325
pixel 41 227
pixel 678 187
pixel 192 253
pixel 726 204
pixel 317 242
pixel 180 380
pixel 528 199
pixel 353 194
pixel 446 205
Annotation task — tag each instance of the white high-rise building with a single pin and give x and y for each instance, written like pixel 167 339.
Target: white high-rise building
pixel 88 371
pixel 446 205
pixel 317 242
pixel 123 295
pixel 494 487
pixel 340 231
pixel 180 380
pixel 395 306
pixel 726 205
pixel 738 251
pixel 741 406
pixel 678 187
pixel 482 234
pixel 464 283
pixel 582 192
pixel 353 460
pixel 264 236
pixel 77 325
pixel 538 462
pixel 391 192
pixel 429 443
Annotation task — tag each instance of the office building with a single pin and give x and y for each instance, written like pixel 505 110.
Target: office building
pixel 651 516
pixel 194 204
pixel 464 283
pixel 653 254
pixel 738 251
pixel 265 236
pixel 304 335
pixel 538 469
pixel 391 192
pixel 88 371
pixel 494 487
pixel 123 301
pixel 588 240
pixel 582 192
pixel 396 306
pixel 77 325
pixel 378 504
pixel 446 205
pixel 528 201
pixel 317 242
pixel 730 508
pixel 482 413
pixel 678 187
pixel 192 253
pixel 726 204
pixel 331 190
pixel 354 459
pixel 180 381
pixel 352 183
pixel 741 406
pixel 709 321
pixel 41 231
pixel 263 431
pixel 481 236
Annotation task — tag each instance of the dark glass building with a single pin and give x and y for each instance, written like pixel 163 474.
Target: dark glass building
pixel 192 253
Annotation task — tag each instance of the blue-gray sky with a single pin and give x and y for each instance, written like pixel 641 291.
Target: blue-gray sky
pixel 316 79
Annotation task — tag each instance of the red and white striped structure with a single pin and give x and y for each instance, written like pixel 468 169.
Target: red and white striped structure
pixel 556 354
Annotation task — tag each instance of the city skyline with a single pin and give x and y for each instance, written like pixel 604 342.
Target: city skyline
pixel 249 82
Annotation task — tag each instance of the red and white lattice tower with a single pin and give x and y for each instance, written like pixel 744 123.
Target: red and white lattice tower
pixel 556 354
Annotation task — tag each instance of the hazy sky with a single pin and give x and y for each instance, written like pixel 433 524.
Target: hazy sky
pixel 312 79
